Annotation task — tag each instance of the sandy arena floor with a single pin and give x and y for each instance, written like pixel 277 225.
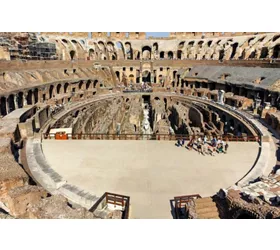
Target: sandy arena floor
pixel 150 172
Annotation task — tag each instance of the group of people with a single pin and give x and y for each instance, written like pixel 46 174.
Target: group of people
pixel 205 146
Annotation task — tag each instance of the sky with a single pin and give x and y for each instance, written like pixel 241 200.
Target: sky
pixel 158 34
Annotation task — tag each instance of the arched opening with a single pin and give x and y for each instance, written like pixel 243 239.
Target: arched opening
pixel 81 85
pixel 11 102
pixel 264 52
pixel 170 55
pixel 66 85
pixel 131 78
pixel 128 51
pixel 3 106
pixel 58 88
pixel 20 100
pixel 88 84
pixel 179 54
pixel 36 95
pixel 221 55
pixel 275 38
pixel 51 92
pixel 137 55
pixel 118 75
pixel 114 57
pixel 72 54
pixel 234 47
pixel 146 76
pixel 95 83
pixel 146 52
pixel 276 51
pixel 29 98
pixel 91 54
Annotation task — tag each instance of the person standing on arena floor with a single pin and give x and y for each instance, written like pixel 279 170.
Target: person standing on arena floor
pixel 226 147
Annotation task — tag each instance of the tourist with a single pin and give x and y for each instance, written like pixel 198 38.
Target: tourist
pixel 198 144
pixel 205 139
pixel 220 148
pixel 226 147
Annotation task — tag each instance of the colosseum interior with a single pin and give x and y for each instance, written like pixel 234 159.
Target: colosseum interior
pixel 93 125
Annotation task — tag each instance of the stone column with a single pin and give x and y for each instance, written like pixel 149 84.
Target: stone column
pixel 16 101
pixel 7 106
pixel 24 99
pixel 221 94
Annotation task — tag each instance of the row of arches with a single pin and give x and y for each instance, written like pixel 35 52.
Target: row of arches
pixel 19 100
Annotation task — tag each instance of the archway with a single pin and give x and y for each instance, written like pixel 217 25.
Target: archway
pixel 58 88
pixel 170 55
pixel 276 51
pixel 179 54
pixel 161 55
pixel 131 78
pixel 20 100
pixel 36 95
pixel 3 106
pixel 51 92
pixel 29 98
pixel 66 85
pixel 81 85
pixel 11 102
pixel 128 51
pixel 146 52
pixel 146 76
pixel 264 52
pixel 72 54
pixel 88 84
pixel 91 54
pixel 95 83
pixel 118 75
pixel 234 47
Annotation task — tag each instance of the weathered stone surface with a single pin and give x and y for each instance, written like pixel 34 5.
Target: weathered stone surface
pixel 18 199
pixel 56 207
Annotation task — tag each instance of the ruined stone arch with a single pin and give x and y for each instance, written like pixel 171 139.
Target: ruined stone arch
pixel 58 88
pixel 276 51
pixel 11 103
pixel 161 55
pixel 36 95
pixel 3 106
pixel 131 78
pixel 91 54
pixel 234 47
pixel 170 55
pixel 179 54
pixel 120 48
pixel 20 99
pixel 88 84
pixel 146 52
pixel 72 54
pixel 81 85
pixel 51 91
pixel 95 83
pixel 66 86
pixel 29 97
pixel 275 38
pixel 118 75
pixel 128 51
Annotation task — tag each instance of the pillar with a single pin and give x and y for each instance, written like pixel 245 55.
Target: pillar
pixel 16 101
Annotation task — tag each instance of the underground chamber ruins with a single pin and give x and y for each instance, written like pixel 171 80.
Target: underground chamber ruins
pixel 120 125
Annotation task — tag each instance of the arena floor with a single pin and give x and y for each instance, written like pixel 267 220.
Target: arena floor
pixel 150 172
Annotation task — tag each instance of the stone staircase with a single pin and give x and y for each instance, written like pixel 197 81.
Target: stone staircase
pixel 206 208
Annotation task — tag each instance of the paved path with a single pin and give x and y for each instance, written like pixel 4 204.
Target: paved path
pixel 150 172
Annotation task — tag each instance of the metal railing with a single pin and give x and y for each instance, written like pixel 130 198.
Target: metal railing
pixel 164 137
pixel 116 200
pixel 181 201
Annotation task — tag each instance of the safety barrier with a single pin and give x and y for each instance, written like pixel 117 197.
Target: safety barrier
pixel 164 137
pixel 116 200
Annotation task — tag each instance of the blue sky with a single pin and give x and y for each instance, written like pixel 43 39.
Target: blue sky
pixel 158 34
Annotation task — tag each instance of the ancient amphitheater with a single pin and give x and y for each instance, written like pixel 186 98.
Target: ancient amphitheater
pixel 90 125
